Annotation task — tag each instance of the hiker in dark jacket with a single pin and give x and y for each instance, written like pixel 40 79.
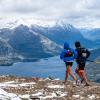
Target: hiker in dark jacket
pixel 83 54
pixel 68 55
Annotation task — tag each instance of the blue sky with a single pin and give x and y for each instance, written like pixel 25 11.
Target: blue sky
pixel 82 13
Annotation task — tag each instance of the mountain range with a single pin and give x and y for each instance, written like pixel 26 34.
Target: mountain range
pixel 35 42
pixel 62 32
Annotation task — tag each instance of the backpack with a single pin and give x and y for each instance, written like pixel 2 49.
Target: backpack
pixel 69 53
pixel 82 52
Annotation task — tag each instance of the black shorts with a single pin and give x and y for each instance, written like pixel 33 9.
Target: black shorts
pixel 69 63
pixel 81 66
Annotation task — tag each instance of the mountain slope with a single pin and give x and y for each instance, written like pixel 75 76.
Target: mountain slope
pixel 62 33
pixel 6 33
pixel 6 52
pixel 92 34
pixel 94 54
pixel 37 41
pixel 5 48
pixel 31 44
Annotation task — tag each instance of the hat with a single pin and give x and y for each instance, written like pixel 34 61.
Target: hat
pixel 66 45
pixel 77 44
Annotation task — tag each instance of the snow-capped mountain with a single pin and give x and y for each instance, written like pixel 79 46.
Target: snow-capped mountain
pixel 63 32
pixel 27 44
pixel 41 41
pixel 12 22
pixel 32 44
pixel 9 22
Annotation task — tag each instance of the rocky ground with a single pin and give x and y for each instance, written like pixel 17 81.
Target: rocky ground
pixel 22 88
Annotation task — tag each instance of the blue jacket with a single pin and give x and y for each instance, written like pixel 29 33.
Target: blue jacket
pixel 68 59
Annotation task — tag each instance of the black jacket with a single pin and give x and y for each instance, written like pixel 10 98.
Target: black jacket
pixel 80 57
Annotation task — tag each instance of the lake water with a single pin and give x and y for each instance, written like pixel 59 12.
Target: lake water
pixel 53 67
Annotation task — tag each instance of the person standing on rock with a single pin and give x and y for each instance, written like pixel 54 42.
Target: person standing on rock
pixel 68 55
pixel 83 54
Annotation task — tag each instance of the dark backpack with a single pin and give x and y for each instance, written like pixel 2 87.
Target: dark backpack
pixel 83 53
pixel 69 53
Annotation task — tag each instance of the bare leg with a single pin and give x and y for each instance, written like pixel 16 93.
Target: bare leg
pixel 71 73
pixel 66 76
pixel 84 78
pixel 77 72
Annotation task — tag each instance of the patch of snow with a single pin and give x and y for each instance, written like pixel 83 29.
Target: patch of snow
pixel 57 79
pixel 82 98
pixel 92 97
pixel 48 44
pixel 76 96
pixel 52 95
pixel 37 94
pixel 20 57
pixel 5 96
pixel 2 91
pixel 14 84
pixel 34 32
pixel 61 94
pixel 47 79
pixel 27 84
pixel 43 96
pixel 3 85
pixel 10 82
pixel 56 86
pixel 24 96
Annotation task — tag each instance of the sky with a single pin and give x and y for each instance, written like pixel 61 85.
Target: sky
pixel 80 13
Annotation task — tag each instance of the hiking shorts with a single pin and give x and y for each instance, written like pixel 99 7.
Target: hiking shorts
pixel 81 66
pixel 69 63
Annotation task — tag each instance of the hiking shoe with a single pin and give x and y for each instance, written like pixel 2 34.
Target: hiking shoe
pixel 77 82
pixel 87 84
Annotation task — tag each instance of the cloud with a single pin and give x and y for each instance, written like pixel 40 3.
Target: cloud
pixel 69 10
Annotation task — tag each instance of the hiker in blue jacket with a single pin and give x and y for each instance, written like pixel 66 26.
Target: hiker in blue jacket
pixel 68 55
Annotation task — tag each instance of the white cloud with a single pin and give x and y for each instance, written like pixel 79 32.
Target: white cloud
pixel 78 12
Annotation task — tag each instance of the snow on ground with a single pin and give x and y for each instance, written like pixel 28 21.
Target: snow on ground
pixel 91 96
pixel 25 96
pixel 15 88
pixel 39 93
pixel 8 96
pixel 56 86
pixel 14 84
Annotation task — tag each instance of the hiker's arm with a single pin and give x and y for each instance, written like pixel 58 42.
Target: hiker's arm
pixel 88 53
pixel 75 54
pixel 62 55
